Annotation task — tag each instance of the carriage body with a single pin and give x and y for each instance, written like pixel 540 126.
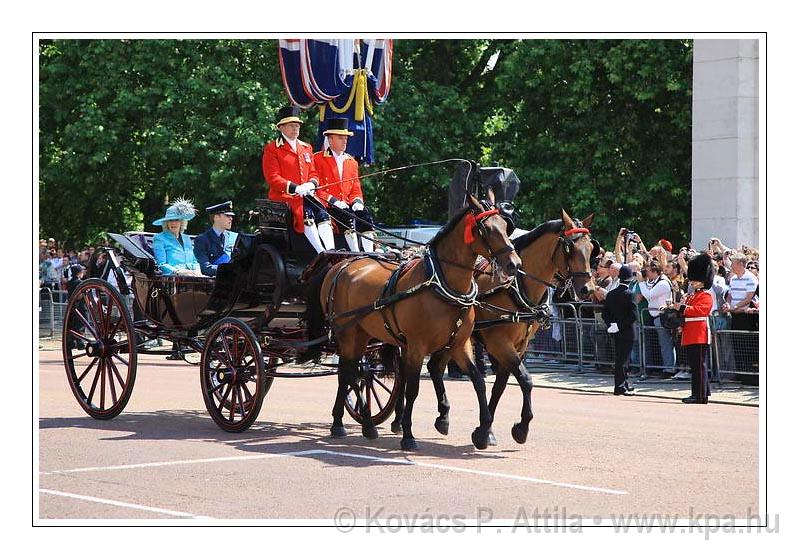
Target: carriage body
pixel 244 324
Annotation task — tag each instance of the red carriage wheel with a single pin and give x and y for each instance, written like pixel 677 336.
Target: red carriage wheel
pixel 232 375
pixel 98 344
pixel 378 381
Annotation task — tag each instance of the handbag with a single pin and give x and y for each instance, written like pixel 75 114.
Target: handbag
pixel 671 318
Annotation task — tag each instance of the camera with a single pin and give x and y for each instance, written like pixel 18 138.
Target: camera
pixel 629 235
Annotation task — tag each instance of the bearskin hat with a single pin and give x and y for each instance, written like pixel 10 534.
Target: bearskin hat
pixel 701 270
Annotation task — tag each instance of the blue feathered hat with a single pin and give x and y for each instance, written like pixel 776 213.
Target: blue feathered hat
pixel 181 209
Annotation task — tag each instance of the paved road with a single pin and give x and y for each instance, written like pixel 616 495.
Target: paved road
pixel 589 455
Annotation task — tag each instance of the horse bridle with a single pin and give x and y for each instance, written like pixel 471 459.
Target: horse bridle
pixel 566 240
pixel 479 220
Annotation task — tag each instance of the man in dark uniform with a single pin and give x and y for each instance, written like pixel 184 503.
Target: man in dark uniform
pixel 214 247
pixel 619 313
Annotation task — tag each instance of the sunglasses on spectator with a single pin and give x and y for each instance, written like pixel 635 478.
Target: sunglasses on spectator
pixel 752 267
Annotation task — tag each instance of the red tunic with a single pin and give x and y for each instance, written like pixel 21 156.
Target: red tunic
pixel 281 165
pixel 695 311
pixel 349 189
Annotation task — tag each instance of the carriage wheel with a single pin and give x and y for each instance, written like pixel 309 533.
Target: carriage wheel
pixel 378 383
pixel 232 375
pixel 99 348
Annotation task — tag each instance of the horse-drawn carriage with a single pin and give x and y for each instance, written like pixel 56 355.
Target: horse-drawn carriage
pixel 247 325
pixel 267 306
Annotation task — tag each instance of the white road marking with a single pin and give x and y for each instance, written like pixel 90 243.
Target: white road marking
pixel 122 504
pixel 474 471
pixel 308 452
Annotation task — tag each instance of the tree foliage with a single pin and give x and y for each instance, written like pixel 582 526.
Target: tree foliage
pixel 592 126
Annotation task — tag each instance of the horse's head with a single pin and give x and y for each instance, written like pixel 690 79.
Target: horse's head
pixel 487 231
pixel 574 254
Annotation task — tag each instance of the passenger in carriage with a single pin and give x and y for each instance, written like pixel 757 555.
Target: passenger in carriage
pixel 172 247
pixel 215 246
pixel 339 170
pixel 289 171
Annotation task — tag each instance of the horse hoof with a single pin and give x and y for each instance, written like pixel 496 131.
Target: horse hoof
pixel 408 444
pixel 396 428
pixel 480 438
pixel 492 439
pixel 369 432
pixel 520 433
pixel 338 431
pixel 442 425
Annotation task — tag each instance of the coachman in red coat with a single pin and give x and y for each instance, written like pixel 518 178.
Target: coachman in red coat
pixel 696 331
pixel 341 188
pixel 288 166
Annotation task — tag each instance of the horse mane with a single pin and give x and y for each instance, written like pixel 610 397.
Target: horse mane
pixel 553 226
pixel 448 227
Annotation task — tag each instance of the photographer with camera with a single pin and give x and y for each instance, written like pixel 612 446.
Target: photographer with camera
pixel 657 290
pixel 627 245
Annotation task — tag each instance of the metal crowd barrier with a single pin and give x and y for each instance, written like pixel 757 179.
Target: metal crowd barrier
pixel 52 308
pixel 578 342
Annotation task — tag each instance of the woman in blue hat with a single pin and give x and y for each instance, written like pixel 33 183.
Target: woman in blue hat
pixel 172 247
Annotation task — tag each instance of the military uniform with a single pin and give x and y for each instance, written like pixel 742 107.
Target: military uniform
pixel 696 334
pixel 212 248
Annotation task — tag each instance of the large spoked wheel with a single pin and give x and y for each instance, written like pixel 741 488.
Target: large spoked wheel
pixel 99 348
pixel 232 375
pixel 378 381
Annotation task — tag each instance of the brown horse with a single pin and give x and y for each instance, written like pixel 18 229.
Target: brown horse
pixel 555 250
pixel 365 299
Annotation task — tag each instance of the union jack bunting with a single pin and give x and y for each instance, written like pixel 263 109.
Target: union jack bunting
pixel 344 77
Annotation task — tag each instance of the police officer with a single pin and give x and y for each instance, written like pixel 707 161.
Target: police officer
pixel 341 187
pixel 696 335
pixel 288 166
pixel 619 313
pixel 215 246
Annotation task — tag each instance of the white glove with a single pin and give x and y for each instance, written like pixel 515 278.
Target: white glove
pixel 613 328
pixel 304 189
pixel 341 204
pixel 357 207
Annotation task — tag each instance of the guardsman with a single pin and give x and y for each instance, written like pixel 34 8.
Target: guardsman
pixel 288 166
pixel 341 187
pixel 215 246
pixel 696 334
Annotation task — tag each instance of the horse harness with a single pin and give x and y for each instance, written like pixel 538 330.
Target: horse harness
pixel 526 310
pixel 435 280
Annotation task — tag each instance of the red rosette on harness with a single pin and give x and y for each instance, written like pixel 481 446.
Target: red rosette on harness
pixel 472 222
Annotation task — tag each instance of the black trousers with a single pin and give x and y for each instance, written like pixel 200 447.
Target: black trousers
pixel 623 343
pixel 346 220
pixel 701 389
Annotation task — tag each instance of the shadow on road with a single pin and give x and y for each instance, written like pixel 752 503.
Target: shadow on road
pixel 271 437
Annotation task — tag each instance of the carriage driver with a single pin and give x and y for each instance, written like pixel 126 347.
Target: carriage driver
pixel 344 197
pixel 215 246
pixel 288 167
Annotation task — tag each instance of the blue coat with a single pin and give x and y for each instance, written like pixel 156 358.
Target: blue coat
pixel 208 249
pixel 171 255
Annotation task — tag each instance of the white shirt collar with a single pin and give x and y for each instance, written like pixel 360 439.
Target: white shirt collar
pixel 292 143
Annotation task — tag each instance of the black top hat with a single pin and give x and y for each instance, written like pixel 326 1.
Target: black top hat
pixel 337 126
pixel 700 269
pixel 288 115
pixel 223 208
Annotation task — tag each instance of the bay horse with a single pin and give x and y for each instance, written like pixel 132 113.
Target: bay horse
pixel 421 306
pixel 558 250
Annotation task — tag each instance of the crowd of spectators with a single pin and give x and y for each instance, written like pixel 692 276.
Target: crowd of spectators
pixel 60 269
pixel 661 278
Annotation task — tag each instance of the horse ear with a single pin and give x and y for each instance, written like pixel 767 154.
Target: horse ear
pixel 490 196
pixel 474 202
pixel 587 221
pixel 566 219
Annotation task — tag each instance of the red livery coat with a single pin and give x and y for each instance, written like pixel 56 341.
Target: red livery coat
pixel 697 306
pixel 281 166
pixel 349 189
